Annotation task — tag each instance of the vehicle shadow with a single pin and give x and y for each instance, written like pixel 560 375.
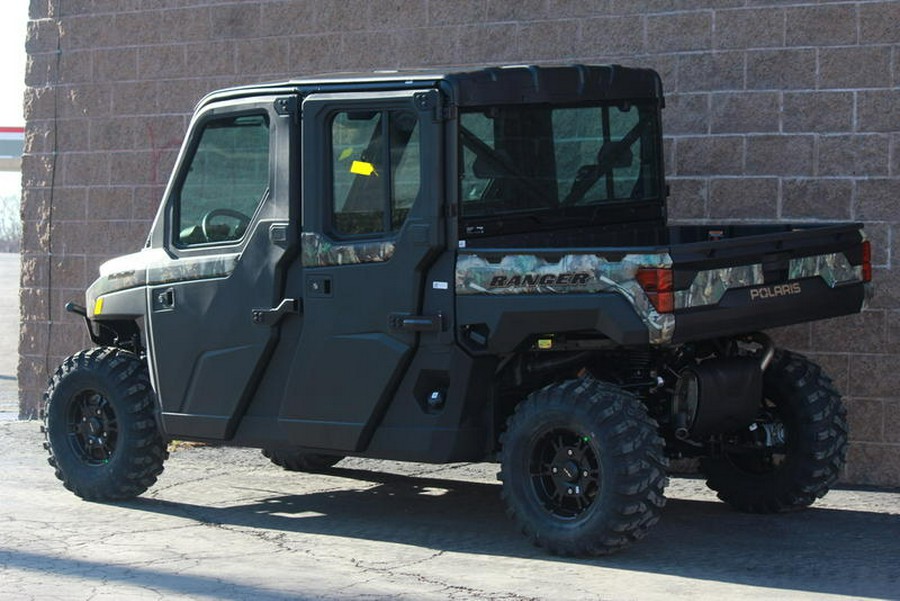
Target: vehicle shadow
pixel 819 550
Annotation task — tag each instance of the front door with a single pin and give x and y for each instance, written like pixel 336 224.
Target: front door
pixel 226 217
pixel 372 190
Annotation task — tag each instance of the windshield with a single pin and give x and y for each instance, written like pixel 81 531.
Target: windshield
pixel 539 158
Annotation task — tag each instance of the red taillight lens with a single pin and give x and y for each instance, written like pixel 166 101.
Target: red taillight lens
pixel 867 261
pixel 657 284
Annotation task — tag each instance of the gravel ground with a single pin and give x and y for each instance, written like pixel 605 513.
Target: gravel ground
pixel 223 523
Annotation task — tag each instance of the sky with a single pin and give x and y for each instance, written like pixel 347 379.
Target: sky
pixel 12 74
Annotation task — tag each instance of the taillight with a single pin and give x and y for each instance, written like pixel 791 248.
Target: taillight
pixel 867 261
pixel 657 284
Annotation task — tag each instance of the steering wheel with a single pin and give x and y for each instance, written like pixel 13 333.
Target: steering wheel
pixel 242 221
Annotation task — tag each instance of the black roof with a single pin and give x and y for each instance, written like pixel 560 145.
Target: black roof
pixel 480 87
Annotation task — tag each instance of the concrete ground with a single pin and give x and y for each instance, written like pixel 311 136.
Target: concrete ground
pixel 9 335
pixel 225 524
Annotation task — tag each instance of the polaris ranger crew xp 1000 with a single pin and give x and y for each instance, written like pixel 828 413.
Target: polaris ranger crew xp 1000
pixel 460 266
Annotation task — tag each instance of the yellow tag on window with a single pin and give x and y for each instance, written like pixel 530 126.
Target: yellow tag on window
pixel 363 168
pixel 98 305
pixel 545 343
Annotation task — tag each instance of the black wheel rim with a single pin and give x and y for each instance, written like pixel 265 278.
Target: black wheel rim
pixel 565 473
pixel 92 428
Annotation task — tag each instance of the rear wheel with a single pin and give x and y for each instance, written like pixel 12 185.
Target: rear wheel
pixel 294 461
pixel 795 450
pixel 100 425
pixel 583 468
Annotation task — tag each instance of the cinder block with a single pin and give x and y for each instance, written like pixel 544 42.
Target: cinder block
pixel 69 203
pixel 686 114
pixel 679 31
pixel 745 112
pixel 160 62
pixel 521 10
pixel 823 112
pixel 236 21
pixel 892 421
pixel 352 15
pixel 41 36
pixel 687 200
pixel 781 69
pixel 750 28
pixel 487 43
pixel 866 419
pixel 116 64
pixel 780 155
pixel 611 35
pixel 829 25
pixel 878 22
pixel 84 169
pixel 874 376
pixel 876 199
pixel 864 332
pixel 548 40
pixel 402 14
pixel 855 67
pixel 743 198
pixel 709 155
pixel 816 199
pixel 710 71
pixel 112 202
pixel 865 155
pixel 873 464
pixel 259 56
pixel 183 25
pixel 878 110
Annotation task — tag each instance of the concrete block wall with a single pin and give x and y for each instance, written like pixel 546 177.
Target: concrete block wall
pixel 777 111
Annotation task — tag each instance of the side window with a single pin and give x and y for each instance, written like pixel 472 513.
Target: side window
pixel 376 171
pixel 227 178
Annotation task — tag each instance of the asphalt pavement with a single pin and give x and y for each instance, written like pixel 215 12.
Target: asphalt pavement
pixel 226 524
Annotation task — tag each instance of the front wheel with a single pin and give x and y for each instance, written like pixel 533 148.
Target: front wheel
pixel 294 461
pixel 794 451
pixel 100 426
pixel 583 468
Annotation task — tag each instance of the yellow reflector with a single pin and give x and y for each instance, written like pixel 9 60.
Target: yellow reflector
pixel 545 343
pixel 363 168
pixel 98 306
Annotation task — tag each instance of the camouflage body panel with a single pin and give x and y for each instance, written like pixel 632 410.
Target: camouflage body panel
pixel 152 267
pixel 573 273
pixel 318 251
pixel 834 268
pixel 710 286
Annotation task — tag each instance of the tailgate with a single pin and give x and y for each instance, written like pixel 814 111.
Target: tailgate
pixel 740 280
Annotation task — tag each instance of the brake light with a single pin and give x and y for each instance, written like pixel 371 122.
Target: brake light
pixel 866 261
pixel 657 284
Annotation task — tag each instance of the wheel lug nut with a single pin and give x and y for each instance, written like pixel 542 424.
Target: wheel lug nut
pixel 554 470
pixel 569 491
pixel 584 473
pixel 570 452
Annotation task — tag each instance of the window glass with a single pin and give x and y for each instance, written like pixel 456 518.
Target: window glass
pixel 526 158
pixel 227 178
pixel 376 171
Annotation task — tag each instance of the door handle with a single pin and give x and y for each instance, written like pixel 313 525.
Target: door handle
pixel 164 300
pixel 416 323
pixel 269 317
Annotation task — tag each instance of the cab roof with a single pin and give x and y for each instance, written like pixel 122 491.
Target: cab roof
pixel 486 86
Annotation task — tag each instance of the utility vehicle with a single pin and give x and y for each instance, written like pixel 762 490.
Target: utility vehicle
pixel 460 266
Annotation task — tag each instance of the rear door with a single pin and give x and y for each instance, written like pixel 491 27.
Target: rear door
pixel 226 217
pixel 371 228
